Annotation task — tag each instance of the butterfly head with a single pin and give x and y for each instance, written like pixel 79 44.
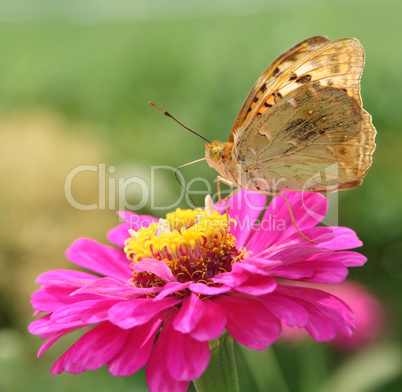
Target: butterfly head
pixel 216 153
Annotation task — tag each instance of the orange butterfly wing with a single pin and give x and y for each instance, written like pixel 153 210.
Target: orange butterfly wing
pixel 316 60
pixel 274 71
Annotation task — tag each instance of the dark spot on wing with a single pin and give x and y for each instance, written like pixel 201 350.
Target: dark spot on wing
pixel 304 79
pixel 267 105
pixel 277 96
pixel 315 85
pixel 335 68
pixel 276 72
pixel 308 95
pixel 293 76
pixel 301 131
pixel 293 124
pixel 289 149
pixel 307 135
pixel 255 99
pixel 342 151
pixel 240 158
pixel 263 88
pixel 345 90
pixel 296 122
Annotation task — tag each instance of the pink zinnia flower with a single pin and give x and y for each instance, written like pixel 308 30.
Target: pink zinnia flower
pixel 175 284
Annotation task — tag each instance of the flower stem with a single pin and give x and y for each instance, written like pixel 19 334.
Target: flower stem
pixel 221 374
pixel 266 370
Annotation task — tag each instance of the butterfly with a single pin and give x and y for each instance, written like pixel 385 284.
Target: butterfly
pixel 302 126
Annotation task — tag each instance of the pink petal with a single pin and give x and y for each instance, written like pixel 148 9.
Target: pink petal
pixel 250 268
pixel 318 234
pixel 201 288
pixel 157 267
pixel 320 328
pixel 262 264
pixel 241 273
pixel 157 373
pixel 59 367
pixel 245 208
pixel 102 259
pixel 249 322
pixel 211 324
pixel 108 287
pixel 170 288
pixel 327 313
pixel 296 247
pixel 57 288
pixel 231 279
pixel 93 312
pixel 291 253
pixel 308 210
pixel 345 238
pixel 286 310
pixel 96 347
pixel 45 327
pixel 364 306
pixel 326 272
pixel 51 298
pixel 189 314
pixel 137 348
pixel 347 258
pixel 119 234
pixel 67 278
pixel 292 272
pixel 369 313
pixel 45 346
pixel 258 286
pixel 187 358
pixel 313 271
pixel 98 313
pixel 129 314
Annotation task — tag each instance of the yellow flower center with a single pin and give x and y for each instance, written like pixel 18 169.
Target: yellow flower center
pixel 195 244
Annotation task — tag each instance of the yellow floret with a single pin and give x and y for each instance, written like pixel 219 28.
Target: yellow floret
pixel 188 229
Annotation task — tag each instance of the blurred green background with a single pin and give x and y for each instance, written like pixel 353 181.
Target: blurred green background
pixel 75 81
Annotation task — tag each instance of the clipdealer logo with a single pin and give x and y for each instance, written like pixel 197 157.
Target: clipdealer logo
pixel 113 191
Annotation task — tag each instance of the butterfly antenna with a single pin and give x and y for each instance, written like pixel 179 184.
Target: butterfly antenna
pixel 176 172
pixel 178 122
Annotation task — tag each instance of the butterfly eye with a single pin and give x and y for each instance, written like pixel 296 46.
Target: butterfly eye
pixel 216 153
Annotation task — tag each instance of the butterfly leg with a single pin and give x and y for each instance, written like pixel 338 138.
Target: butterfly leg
pixel 220 179
pixel 224 180
pixel 294 221
pixel 290 212
pixel 231 194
